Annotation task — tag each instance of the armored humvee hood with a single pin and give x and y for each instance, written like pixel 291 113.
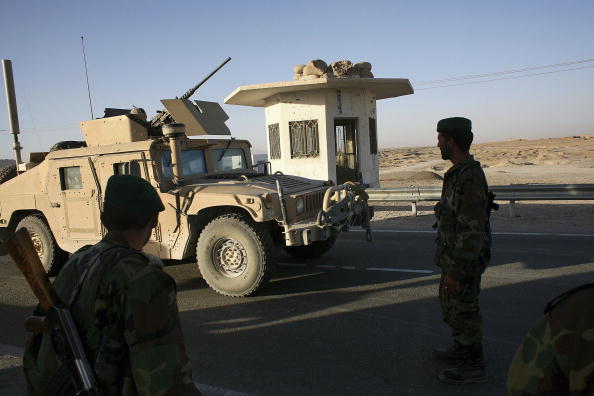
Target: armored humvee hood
pixel 256 185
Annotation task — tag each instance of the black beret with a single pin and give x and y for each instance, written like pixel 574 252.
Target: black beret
pixel 451 125
pixel 132 193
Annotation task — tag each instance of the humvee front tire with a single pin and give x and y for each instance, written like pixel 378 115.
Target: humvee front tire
pixel 311 251
pixel 235 256
pixel 51 256
pixel 7 172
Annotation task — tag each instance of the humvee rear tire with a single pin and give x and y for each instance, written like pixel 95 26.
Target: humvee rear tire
pixel 51 256
pixel 312 251
pixel 7 172
pixel 67 144
pixel 235 255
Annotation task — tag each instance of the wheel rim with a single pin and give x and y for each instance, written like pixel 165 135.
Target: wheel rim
pixel 230 257
pixel 37 243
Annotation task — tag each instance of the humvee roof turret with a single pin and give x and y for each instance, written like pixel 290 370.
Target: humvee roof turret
pixel 218 208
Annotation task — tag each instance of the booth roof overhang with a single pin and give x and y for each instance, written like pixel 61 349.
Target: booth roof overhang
pixel 256 95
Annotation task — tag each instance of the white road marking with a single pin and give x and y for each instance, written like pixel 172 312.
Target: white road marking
pixel 494 233
pixel 350 267
pixel 292 265
pixel 400 270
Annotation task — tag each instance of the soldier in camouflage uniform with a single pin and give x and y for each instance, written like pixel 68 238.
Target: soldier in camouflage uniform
pixel 124 306
pixel 463 252
pixel 557 355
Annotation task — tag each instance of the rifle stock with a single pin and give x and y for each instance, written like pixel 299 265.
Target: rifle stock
pixel 21 249
pixel 58 323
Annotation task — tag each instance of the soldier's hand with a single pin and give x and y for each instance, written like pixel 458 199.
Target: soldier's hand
pixel 451 285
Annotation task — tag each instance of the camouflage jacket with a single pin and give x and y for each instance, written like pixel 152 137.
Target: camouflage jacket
pixel 463 238
pixel 557 355
pixel 126 314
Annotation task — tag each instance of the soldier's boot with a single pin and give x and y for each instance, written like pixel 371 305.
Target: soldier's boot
pixel 470 371
pixel 453 355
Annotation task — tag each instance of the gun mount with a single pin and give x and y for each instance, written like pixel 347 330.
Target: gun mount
pixel 164 116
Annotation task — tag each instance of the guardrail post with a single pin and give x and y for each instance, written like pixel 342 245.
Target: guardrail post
pixel 512 208
pixel 414 208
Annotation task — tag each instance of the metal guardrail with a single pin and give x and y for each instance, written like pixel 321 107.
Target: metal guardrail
pixel 513 193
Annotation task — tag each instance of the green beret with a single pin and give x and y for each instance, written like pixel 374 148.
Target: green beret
pixel 132 193
pixel 454 125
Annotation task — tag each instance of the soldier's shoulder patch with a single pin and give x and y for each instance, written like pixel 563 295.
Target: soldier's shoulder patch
pixel 562 297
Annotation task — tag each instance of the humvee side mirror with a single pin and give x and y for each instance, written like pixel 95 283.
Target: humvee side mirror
pixel 262 167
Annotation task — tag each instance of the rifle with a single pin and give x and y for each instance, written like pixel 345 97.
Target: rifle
pixel 58 321
pixel 163 117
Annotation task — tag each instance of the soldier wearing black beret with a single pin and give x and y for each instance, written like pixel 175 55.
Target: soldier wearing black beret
pixel 462 252
pixel 124 305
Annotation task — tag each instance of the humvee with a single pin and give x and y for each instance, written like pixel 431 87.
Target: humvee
pixel 233 218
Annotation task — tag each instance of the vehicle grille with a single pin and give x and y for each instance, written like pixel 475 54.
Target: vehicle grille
pixel 287 182
pixel 313 203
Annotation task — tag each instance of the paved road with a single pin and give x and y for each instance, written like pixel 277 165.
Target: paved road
pixel 361 321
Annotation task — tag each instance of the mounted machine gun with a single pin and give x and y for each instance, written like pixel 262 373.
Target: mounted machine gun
pixel 164 117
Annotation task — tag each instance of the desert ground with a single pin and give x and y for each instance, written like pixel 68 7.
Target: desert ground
pixel 566 160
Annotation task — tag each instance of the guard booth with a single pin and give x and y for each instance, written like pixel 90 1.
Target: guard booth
pixel 323 128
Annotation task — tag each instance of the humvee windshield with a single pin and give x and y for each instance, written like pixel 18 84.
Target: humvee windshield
pixel 229 159
pixel 193 162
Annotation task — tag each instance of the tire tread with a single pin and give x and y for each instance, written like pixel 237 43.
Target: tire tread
pixel 262 238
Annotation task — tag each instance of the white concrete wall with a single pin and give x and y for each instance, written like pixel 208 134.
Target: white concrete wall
pixel 298 106
pixel 323 106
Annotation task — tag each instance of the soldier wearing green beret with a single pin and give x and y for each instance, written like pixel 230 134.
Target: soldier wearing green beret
pixel 124 306
pixel 462 252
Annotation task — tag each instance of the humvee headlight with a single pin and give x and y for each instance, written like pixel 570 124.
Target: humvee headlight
pixel 299 205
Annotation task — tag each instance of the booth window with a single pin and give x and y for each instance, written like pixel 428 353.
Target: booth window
pixel 304 138
pixel 373 136
pixel 274 141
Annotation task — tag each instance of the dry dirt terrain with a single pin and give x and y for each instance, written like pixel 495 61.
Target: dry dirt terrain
pixel 567 160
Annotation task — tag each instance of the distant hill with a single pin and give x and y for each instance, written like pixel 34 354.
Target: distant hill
pixel 4 162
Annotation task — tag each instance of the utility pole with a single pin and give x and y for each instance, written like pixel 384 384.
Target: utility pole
pixel 12 108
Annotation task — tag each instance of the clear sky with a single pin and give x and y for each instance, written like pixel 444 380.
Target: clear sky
pixel 139 52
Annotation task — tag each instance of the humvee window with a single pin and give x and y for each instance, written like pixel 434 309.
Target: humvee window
pixel 126 168
pixel 193 163
pixel 230 159
pixel 70 178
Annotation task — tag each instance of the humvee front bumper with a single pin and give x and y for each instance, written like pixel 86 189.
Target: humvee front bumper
pixel 341 209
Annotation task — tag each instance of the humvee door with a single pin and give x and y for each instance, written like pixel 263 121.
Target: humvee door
pixel 74 195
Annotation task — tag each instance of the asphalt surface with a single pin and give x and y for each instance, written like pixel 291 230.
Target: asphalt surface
pixel 362 320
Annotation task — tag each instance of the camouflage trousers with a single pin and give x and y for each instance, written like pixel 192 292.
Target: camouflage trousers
pixel 460 310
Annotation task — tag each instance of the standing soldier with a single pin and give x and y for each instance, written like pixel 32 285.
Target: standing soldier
pixel 124 306
pixel 463 252
pixel 557 355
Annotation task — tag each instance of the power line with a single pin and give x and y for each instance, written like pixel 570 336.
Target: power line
pixel 474 76
pixel 49 128
pixel 506 78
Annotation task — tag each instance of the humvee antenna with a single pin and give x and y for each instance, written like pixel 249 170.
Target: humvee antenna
pixel 82 41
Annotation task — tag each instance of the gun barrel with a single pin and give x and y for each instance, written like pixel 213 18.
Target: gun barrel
pixel 191 91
